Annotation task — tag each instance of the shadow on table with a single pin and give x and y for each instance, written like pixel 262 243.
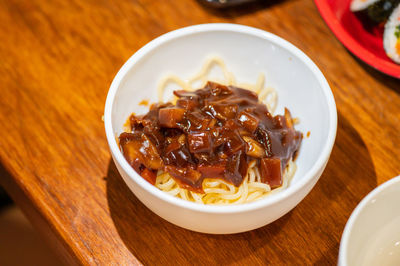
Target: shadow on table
pixel 389 81
pixel 348 178
pixel 239 10
pixel 309 233
pixel 5 200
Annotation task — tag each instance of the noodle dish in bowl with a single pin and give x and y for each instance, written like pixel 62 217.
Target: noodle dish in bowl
pixel 217 138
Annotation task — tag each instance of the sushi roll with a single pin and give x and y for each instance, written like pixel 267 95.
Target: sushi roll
pixel 376 10
pixel 381 10
pixel 361 5
pixel 391 36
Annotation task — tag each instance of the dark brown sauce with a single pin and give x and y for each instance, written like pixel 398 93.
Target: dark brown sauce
pixel 213 132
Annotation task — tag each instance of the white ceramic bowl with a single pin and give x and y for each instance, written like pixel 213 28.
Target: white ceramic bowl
pixel 247 51
pixel 372 233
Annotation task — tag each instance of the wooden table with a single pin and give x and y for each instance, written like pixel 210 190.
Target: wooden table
pixel 57 60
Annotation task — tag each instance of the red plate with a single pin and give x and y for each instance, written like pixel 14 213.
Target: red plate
pixel 362 40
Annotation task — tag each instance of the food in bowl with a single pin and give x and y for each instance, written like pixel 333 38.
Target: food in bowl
pixel 299 82
pixel 215 145
pixel 383 13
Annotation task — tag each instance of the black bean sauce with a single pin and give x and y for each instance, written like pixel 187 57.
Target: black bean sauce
pixel 213 132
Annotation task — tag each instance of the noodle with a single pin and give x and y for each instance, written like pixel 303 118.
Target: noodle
pixel 220 192
pixel 267 95
pixel 217 191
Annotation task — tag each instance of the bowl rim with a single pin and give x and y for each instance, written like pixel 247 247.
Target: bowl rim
pixel 246 30
pixel 343 249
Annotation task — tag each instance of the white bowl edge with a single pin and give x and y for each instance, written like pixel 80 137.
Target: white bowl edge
pixel 319 164
pixel 343 254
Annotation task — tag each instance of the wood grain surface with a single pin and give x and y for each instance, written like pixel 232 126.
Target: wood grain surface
pixel 57 60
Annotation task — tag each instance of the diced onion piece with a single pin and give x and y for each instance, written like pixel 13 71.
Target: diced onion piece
pixel 218 89
pixel 131 153
pixel 253 148
pixel 248 121
pixel 231 141
pixel 149 176
pixel 136 122
pixel 271 172
pixel 170 116
pixel 186 177
pixel 288 117
pixel 199 141
pixel 151 158
pixel 223 111
pixel 181 173
pixel 212 123
pixel 184 93
pixel 211 171
pixel 182 139
pixel 236 168
pixel 198 121
pixel 186 103
pixel 140 148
